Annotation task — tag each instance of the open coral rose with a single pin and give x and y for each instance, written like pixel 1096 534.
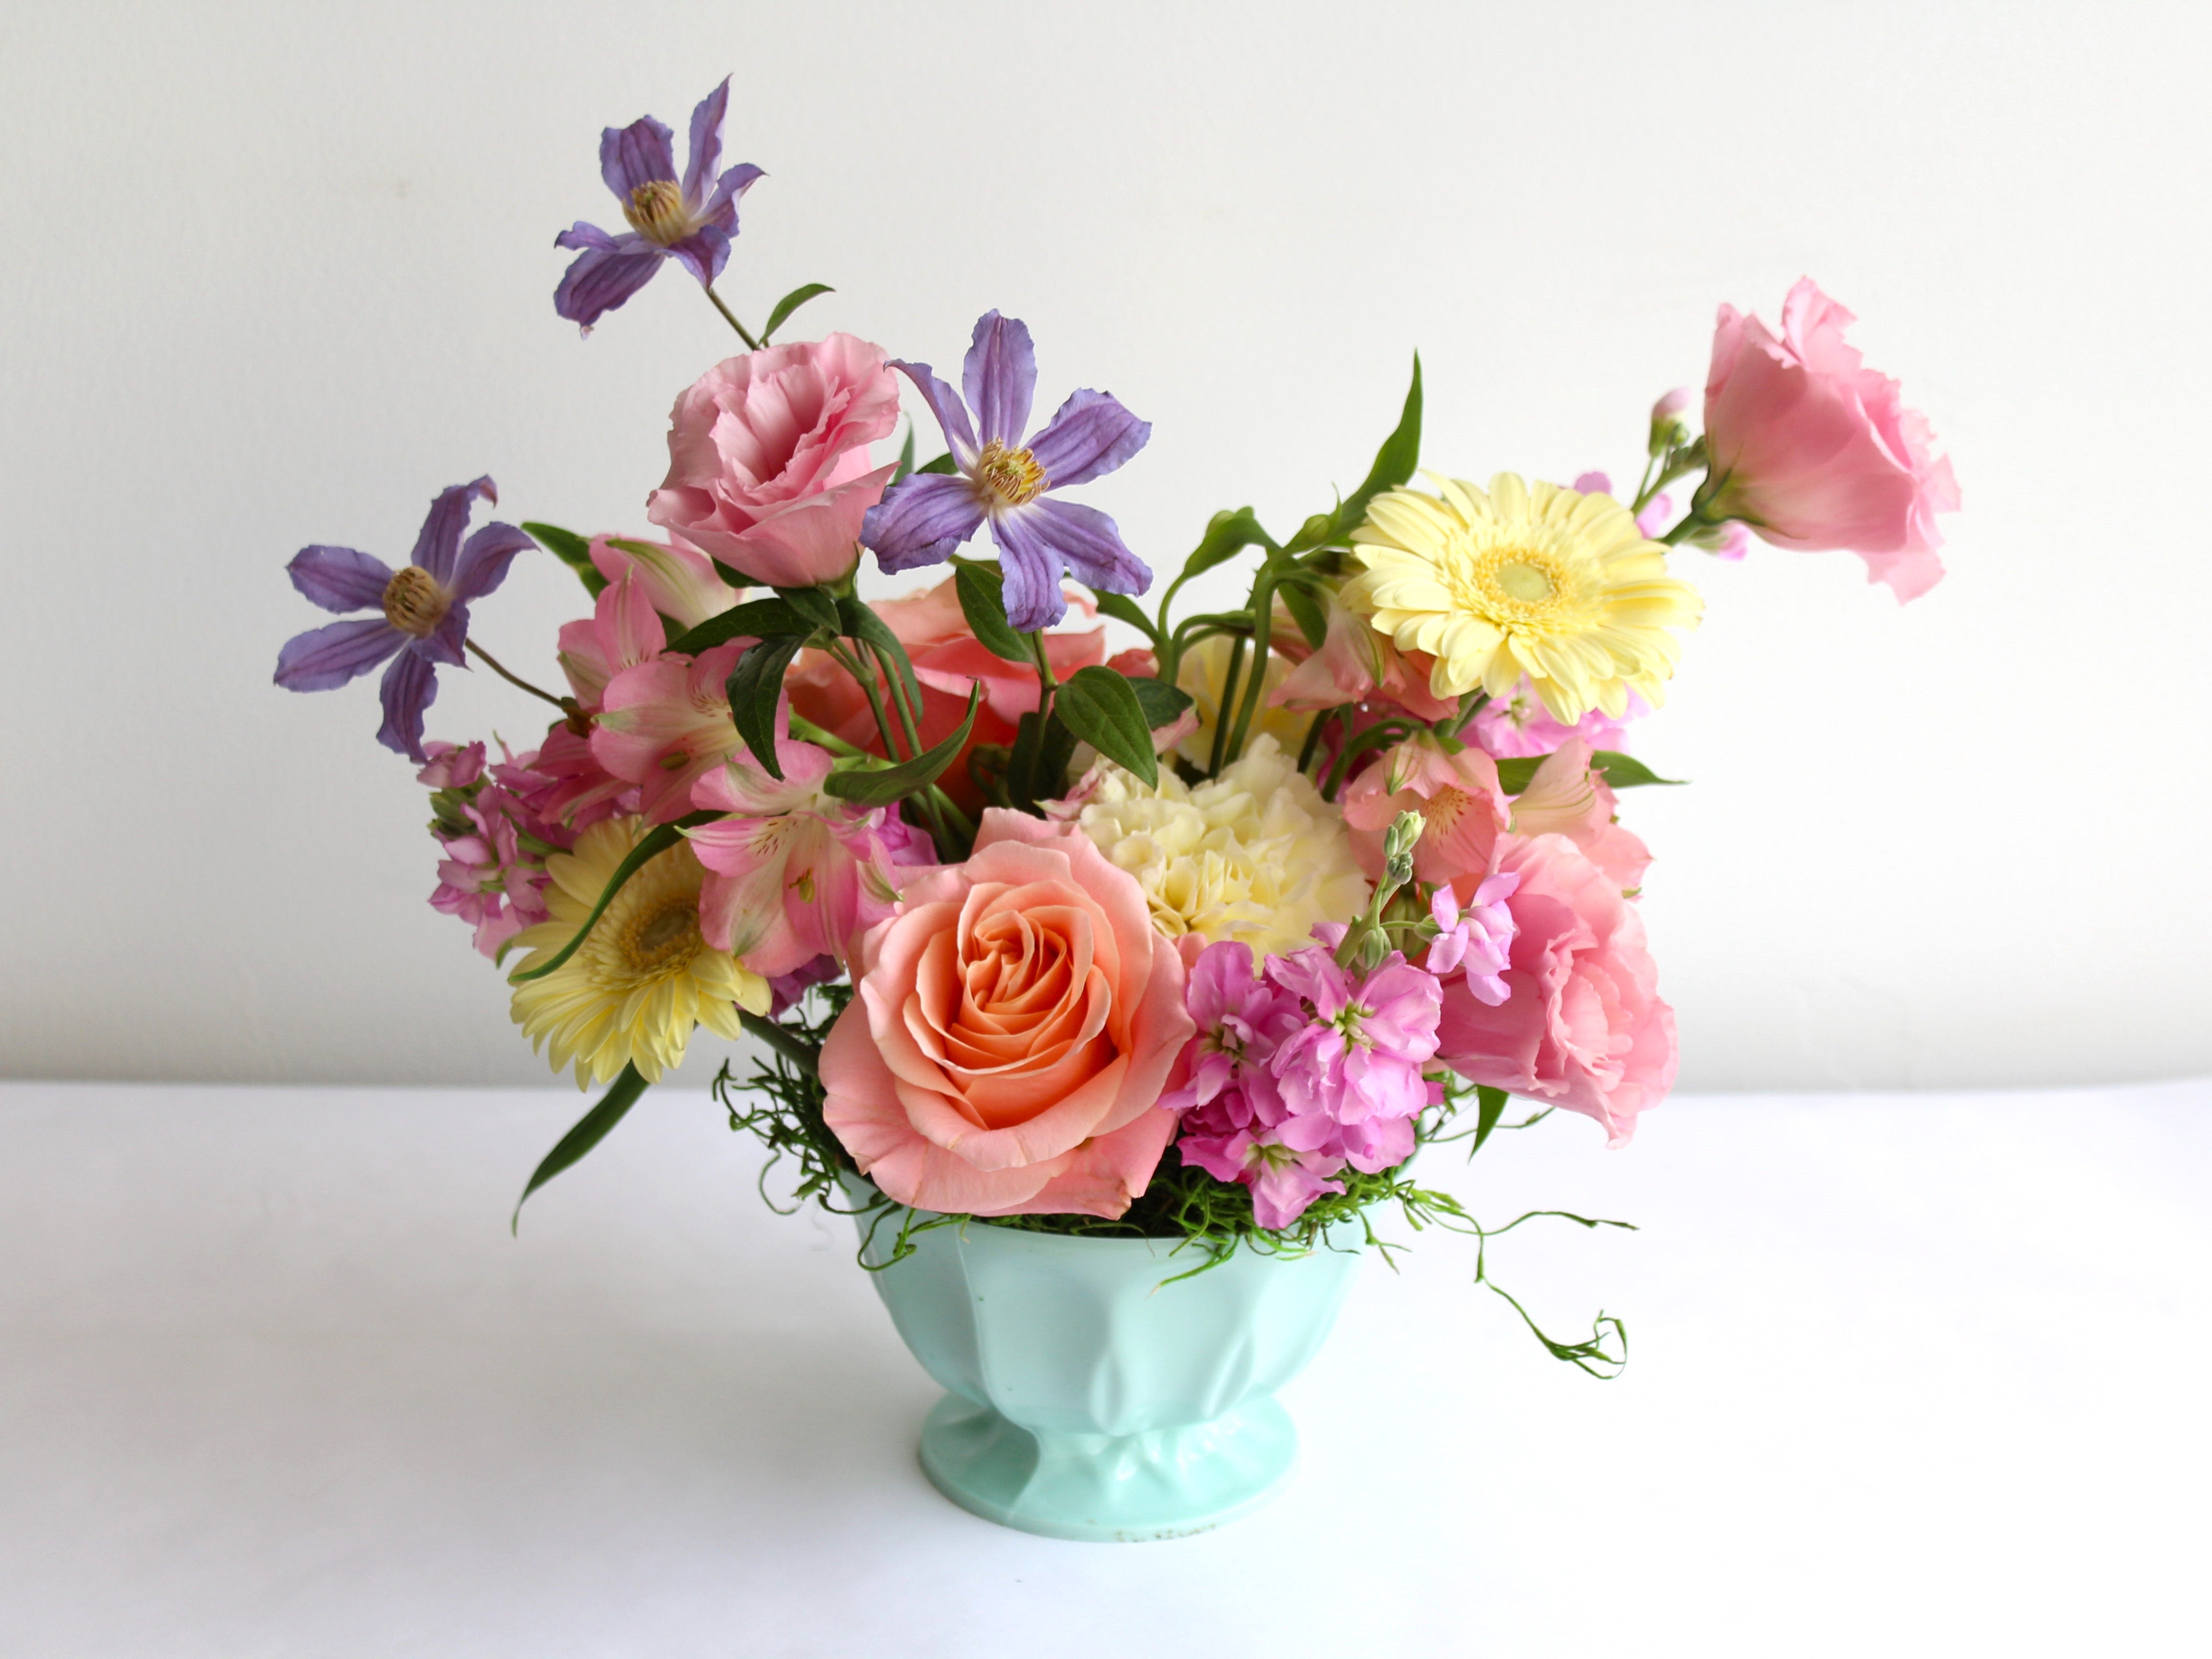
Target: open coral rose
pixel 1014 1026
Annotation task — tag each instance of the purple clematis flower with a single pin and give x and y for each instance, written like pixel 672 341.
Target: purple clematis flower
pixel 691 221
pixel 426 611
pixel 926 516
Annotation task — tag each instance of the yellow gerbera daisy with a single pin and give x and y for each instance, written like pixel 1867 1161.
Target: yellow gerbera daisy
pixel 1523 579
pixel 634 990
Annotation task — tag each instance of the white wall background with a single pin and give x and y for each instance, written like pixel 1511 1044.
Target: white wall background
pixel 275 274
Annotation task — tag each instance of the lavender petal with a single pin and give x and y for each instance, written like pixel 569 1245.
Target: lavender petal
pixel 1031 567
pixel 447 639
pixel 706 143
pixel 921 520
pixel 602 278
pixel 703 252
pixel 1087 437
pixel 326 657
pixel 580 235
pixel 951 414
pixel 484 559
pixel 720 209
pixel 440 543
pixel 1087 543
pixel 410 685
pixel 636 154
pixel 1000 377
pixel 340 579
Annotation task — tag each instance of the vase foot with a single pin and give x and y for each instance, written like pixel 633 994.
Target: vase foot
pixel 1097 1488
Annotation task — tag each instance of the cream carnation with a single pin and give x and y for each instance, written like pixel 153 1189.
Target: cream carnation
pixel 1256 854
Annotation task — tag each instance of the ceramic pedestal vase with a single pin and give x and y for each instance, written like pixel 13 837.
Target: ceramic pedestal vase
pixel 1087 1399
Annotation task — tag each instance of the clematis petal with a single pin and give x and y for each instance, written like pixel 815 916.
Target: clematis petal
pixel 410 685
pixel 328 656
pixel 340 579
pixel 921 520
pixel 703 252
pixel 1030 566
pixel 1000 377
pixel 1089 546
pixel 720 209
pixel 440 543
pixel 446 640
pixel 604 277
pixel 636 154
pixel 1088 437
pixel 706 143
pixel 484 559
pixel 951 414
pixel 580 236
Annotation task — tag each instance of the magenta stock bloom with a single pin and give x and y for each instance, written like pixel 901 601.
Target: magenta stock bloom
pixel 690 221
pixel 425 605
pixel 1007 481
pixel 1477 941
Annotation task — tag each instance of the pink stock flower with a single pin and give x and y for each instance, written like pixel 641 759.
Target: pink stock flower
pixel 1813 449
pixel 1583 1025
pixel 768 459
pixel 792 873
pixel 493 839
pixel 679 582
pixel 1566 798
pixel 665 723
pixel 1012 1027
pixel 1477 941
pixel 1518 725
pixel 1461 804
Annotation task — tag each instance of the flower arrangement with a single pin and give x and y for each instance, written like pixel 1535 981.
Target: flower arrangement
pixel 1202 940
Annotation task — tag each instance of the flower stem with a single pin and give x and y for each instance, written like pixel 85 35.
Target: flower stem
pixel 566 705
pixel 731 318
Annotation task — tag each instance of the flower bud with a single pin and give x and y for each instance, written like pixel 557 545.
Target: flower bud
pixel 1669 430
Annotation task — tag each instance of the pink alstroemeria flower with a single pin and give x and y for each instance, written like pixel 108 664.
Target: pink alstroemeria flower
pixel 1354 664
pixel 665 723
pixel 792 874
pixel 1566 798
pixel 1460 802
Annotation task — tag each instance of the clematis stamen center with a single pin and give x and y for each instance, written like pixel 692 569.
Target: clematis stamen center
pixel 414 603
pixel 1010 475
pixel 655 210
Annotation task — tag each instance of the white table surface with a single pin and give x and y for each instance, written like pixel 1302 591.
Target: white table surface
pixel 1911 1375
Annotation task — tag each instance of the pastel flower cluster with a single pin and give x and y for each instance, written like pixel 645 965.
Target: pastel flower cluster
pixel 1275 886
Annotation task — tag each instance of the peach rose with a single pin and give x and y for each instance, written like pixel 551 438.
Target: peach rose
pixel 1015 1024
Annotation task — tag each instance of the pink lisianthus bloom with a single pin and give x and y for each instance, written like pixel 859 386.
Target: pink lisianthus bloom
pixel 665 723
pixel 1013 1026
pixel 1354 664
pixel 1518 725
pixel 1813 449
pixel 1566 798
pixel 493 840
pixel 679 582
pixel 792 873
pixel 1460 802
pixel 1583 1025
pixel 1477 942
pixel 768 459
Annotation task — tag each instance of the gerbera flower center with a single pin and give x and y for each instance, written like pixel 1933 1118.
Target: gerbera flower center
pixel 414 603
pixel 1011 474
pixel 662 938
pixel 1513 582
pixel 656 211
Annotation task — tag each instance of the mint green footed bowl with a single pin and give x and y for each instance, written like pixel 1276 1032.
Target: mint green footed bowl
pixel 1086 1399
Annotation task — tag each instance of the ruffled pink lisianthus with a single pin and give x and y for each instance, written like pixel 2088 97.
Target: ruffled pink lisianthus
pixel 1813 449
pixel 768 459
pixel 1583 1026
pixel 1013 1026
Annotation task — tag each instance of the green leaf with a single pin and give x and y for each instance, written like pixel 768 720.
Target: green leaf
pixel 1122 608
pixel 591 1129
pixel 1162 702
pixel 1101 708
pixel 730 574
pixel 571 549
pixel 791 302
pixel 1489 1107
pixel 657 839
pixel 1515 771
pixel 1049 773
pixel 1306 611
pixel 943 464
pixel 880 786
pixel 754 688
pixel 983 603
pixel 906 455
pixel 1626 771
pixel 816 604
pixel 1394 462
pixel 1228 533
pixel 759 619
pixel 856 620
